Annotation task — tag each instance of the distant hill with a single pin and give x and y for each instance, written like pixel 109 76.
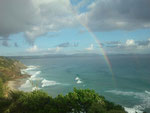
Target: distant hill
pixel 55 56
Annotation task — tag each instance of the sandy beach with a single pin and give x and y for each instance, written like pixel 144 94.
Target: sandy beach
pixel 16 83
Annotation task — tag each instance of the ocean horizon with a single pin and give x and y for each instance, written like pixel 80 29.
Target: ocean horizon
pixel 127 84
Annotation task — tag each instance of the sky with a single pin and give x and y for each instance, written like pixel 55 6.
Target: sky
pixel 41 27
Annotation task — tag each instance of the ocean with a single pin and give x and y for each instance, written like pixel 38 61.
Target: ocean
pixel 128 84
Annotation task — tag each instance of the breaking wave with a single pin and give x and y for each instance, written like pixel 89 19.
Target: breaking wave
pixel 132 110
pixel 31 67
pixel 48 83
pixel 144 97
pixel 35 81
pixel 78 80
pixel 30 70
pixel 35 88
pixel 35 76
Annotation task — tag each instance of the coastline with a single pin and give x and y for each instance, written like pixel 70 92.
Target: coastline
pixel 14 84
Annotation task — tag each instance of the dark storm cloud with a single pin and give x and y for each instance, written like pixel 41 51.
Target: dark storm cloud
pixel 143 43
pixel 113 44
pixel 34 18
pixel 15 16
pixel 106 15
pixel 66 44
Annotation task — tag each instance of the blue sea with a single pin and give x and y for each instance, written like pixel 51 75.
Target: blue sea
pixel 129 85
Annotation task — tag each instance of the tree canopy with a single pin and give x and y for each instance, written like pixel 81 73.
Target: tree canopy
pixel 78 101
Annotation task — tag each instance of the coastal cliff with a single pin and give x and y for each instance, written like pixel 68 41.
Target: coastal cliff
pixel 10 74
pixel 10 69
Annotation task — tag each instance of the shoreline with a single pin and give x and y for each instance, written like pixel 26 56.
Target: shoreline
pixel 14 84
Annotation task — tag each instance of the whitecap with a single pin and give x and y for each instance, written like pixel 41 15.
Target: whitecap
pixel 32 67
pixel 27 84
pixel 147 92
pixel 144 97
pixel 79 82
pixel 48 83
pixel 124 93
pixel 77 78
pixel 35 88
pixel 29 69
pixel 132 110
pixel 35 76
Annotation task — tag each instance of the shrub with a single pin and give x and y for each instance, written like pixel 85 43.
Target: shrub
pixel 80 100
pixel 1 87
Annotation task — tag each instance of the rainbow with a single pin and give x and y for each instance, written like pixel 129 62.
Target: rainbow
pixel 100 46
pixel 102 51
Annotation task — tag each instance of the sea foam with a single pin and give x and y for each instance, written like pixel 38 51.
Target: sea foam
pixel 132 110
pixel 35 88
pixel 30 70
pixel 48 83
pixel 144 97
pixel 35 76
pixel 31 67
pixel 27 84
pixel 78 80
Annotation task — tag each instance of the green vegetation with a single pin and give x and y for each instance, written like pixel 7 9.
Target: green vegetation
pixel 78 101
pixel 6 62
pixel 10 69
pixel 1 87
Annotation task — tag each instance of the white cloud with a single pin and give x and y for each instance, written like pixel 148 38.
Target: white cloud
pixel 33 49
pixel 58 49
pixel 54 15
pixel 90 48
pixel 34 17
pixel 130 42
pixel 129 46
pixel 54 50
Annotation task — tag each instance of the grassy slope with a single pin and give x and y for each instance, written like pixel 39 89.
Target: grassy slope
pixel 10 69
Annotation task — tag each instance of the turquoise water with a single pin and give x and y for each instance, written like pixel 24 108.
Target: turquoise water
pixel 130 85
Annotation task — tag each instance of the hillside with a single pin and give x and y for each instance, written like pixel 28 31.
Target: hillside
pixel 10 69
